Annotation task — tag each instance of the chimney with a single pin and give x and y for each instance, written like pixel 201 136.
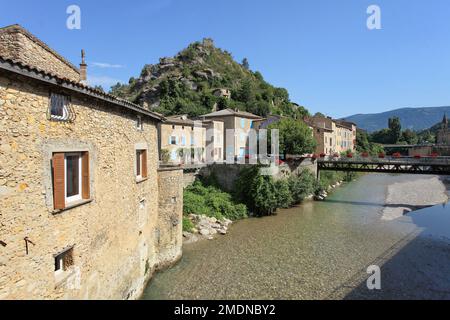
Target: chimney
pixel 83 68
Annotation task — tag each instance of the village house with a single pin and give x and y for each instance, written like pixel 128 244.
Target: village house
pixel 85 211
pixel 237 125
pixel 182 140
pixel 333 136
pixel 345 136
pixel 324 133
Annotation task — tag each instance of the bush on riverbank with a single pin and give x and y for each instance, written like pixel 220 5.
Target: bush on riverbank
pixel 302 186
pixel 210 201
pixel 263 195
pixel 330 178
pixel 187 224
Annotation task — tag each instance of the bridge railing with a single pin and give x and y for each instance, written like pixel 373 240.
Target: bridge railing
pixel 389 160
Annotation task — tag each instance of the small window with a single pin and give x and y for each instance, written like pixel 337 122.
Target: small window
pixel 141 164
pixel 192 141
pixel 59 107
pixel 64 261
pixel 139 123
pixel 173 140
pixel 243 123
pixel 183 140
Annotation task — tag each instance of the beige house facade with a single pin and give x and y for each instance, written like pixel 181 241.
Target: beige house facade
pixel 333 136
pixel 85 211
pixel 237 125
pixel 182 140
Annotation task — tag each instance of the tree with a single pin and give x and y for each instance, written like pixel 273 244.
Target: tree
pixel 296 137
pixel 245 92
pixel 245 64
pixel 395 129
pixel 100 88
pixel 258 192
pixel 409 137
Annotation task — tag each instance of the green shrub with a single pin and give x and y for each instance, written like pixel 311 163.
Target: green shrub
pixel 257 192
pixel 301 186
pixel 283 193
pixel 212 202
pixel 187 225
pixel 165 155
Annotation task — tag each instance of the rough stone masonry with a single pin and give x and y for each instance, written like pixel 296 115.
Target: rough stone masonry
pixel 127 229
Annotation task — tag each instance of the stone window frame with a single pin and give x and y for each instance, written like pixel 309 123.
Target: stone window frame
pixel 67 146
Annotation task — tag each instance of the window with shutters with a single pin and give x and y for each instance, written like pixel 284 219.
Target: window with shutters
pixel 71 182
pixel 141 165
pixel 59 107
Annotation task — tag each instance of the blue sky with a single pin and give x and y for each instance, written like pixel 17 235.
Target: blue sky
pixel 320 50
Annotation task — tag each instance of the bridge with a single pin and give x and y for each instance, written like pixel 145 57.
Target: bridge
pixel 408 165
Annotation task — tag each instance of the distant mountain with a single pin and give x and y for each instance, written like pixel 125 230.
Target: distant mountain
pixel 416 119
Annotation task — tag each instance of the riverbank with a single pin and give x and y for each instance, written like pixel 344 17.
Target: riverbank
pixel 407 196
pixel 208 228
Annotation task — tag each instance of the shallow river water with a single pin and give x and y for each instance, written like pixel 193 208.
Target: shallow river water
pixel 320 250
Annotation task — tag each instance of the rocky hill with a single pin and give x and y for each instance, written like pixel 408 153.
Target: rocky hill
pixel 416 119
pixel 203 78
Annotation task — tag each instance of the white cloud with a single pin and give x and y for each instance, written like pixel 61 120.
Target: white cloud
pixel 104 81
pixel 106 65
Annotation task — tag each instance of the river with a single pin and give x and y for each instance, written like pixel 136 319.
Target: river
pixel 320 250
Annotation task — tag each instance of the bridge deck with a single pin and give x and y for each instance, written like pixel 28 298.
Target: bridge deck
pixel 437 166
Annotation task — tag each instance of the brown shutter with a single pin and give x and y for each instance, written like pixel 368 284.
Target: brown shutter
pixel 85 181
pixel 59 197
pixel 144 164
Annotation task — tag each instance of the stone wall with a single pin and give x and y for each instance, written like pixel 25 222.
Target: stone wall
pixel 227 175
pixel 169 231
pixel 115 236
pixel 18 44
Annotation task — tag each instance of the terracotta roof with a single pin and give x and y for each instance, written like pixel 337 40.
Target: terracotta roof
pixel 345 124
pixel 178 120
pixel 7 65
pixel 16 28
pixel 230 112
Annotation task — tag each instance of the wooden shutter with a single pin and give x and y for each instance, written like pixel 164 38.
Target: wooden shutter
pixel 85 182
pixel 144 164
pixel 59 197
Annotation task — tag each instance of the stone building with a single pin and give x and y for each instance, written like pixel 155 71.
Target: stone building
pixel 345 136
pixel 182 140
pixel 333 136
pixel 224 93
pixel 239 123
pixel 443 135
pixel 85 211
pixel 324 133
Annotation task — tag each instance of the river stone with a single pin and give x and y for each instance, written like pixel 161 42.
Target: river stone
pixel 204 232
pixel 222 232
